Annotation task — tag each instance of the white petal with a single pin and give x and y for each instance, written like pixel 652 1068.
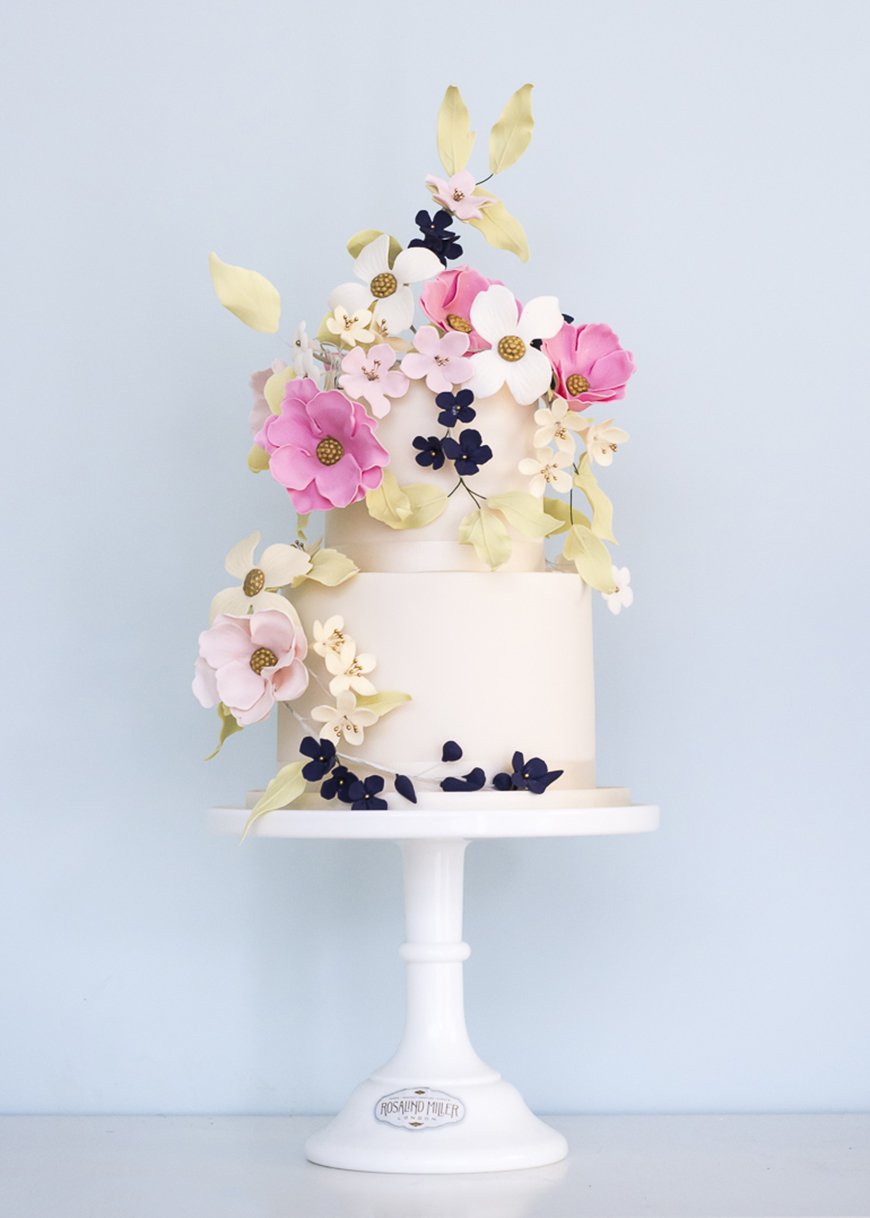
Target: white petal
pixel 231 600
pixel 613 602
pixel 396 311
pixel 374 259
pixel 494 313
pixel 538 486
pixel 488 373
pixel 529 466
pixel 416 264
pixel 627 596
pixel 561 481
pixel 280 564
pixel 542 318
pixel 352 297
pixel 274 600
pixel 240 559
pixel 622 575
pixel 529 377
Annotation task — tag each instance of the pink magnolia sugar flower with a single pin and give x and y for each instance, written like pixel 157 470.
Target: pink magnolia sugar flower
pixel 438 359
pixel 447 300
pixel 457 195
pixel 250 662
pixel 370 375
pixel 322 448
pixel 260 407
pixel 589 363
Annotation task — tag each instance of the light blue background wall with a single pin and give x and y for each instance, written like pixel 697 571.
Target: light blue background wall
pixel 699 180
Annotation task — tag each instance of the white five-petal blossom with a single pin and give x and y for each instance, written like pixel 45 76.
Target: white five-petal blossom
pixel 304 352
pixel 555 423
pixel 602 440
pixel 345 718
pixel 350 321
pixel 349 670
pixel 623 596
pixel 277 567
pixel 330 636
pixel 512 360
pixel 545 469
pixel 388 286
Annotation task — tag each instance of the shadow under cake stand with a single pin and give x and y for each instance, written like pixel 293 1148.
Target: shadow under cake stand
pixel 435 1106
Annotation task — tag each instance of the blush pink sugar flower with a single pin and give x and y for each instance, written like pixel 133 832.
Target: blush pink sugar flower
pixel 447 300
pixel 457 195
pixel 589 364
pixel 322 448
pixel 250 662
pixel 370 375
pixel 438 359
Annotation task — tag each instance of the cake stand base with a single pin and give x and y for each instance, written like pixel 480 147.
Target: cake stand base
pixel 435 1107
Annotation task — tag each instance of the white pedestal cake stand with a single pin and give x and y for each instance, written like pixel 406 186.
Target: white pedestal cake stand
pixel 435 1106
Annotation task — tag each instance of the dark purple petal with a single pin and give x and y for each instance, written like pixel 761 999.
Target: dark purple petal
pixel 450 751
pixel 405 788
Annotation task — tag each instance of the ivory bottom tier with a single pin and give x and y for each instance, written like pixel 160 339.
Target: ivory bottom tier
pixel 497 662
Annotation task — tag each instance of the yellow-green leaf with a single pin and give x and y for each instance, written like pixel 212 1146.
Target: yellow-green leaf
pixel 487 532
pixel 389 503
pixel 511 135
pixel 366 236
pixel 602 508
pixel 525 512
pixel 285 788
pixel 248 294
pixel 258 459
pixel 331 568
pixel 591 558
pixel 229 726
pixel 384 702
pixel 273 390
pixel 502 230
pixel 455 137
pixel 561 510
pixel 427 504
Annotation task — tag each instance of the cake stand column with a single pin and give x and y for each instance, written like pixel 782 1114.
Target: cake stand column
pixel 435 1106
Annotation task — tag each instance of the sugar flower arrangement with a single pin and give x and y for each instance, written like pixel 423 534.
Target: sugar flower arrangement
pixel 316 420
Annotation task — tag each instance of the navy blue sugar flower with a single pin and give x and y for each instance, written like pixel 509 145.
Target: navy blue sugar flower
pixel 531 775
pixel 455 407
pixel 322 754
pixel 438 236
pixel 450 751
pixel 338 784
pixel 364 795
pixel 472 781
pixel 467 453
pixel 431 451
pixel 405 788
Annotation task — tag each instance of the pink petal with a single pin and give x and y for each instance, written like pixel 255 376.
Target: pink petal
pixel 204 684
pixel 426 340
pixel 227 639
pixel 454 344
pixel 330 414
pixel 239 686
pixel 594 342
pixel 417 366
pixel 339 483
pixel 289 429
pixel 371 479
pixel 273 629
pixel 308 499
pixel 394 383
pixel 611 372
pixel 259 710
pixel 293 467
pixel 290 682
pixel 437 379
pixel 459 370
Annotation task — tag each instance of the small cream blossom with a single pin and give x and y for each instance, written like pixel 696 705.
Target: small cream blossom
pixel 304 352
pixel 345 718
pixel 555 425
pixel 329 636
pixel 623 596
pixel 277 567
pixel 348 670
pixel 545 469
pixel 602 440
pixel 350 328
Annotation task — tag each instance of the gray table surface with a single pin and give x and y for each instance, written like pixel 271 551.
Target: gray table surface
pixel 244 1167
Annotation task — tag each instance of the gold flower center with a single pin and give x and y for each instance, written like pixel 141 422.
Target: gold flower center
pixel 329 450
pixel 262 658
pixel 576 384
pixel 458 196
pixel 511 348
pixel 384 284
pixel 255 581
pixel 455 322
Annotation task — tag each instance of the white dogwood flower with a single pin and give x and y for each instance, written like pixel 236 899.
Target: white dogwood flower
pixel 624 594
pixel 545 469
pixel 345 718
pixel 512 360
pixel 389 287
pixel 556 423
pixel 602 440
pixel 277 567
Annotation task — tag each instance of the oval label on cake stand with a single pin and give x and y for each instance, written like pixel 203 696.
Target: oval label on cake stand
pixel 419 1108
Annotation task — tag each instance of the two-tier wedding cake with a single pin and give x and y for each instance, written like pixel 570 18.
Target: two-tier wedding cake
pixel 435 644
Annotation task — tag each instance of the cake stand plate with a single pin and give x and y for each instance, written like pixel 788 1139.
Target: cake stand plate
pixel 435 1106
